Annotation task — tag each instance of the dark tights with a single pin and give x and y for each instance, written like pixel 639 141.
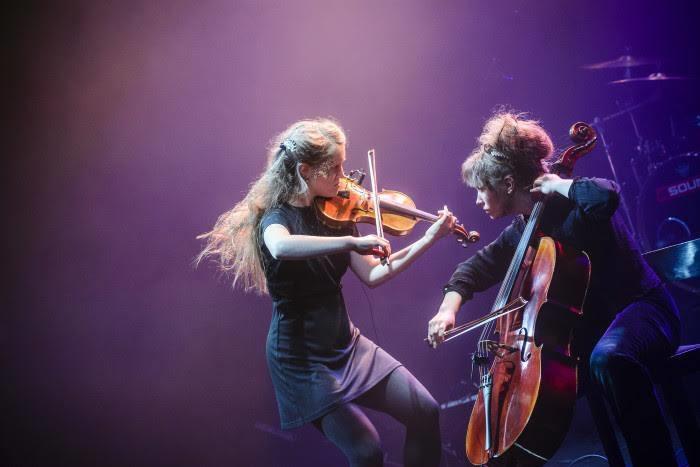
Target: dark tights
pixel 403 397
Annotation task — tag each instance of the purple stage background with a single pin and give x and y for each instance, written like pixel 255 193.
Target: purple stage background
pixel 134 124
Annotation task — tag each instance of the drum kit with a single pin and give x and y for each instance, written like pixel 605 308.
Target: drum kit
pixel 661 190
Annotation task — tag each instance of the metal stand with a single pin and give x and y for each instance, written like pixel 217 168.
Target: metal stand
pixel 598 125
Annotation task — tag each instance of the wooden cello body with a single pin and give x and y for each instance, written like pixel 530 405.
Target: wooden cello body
pixel 534 373
pixel 528 387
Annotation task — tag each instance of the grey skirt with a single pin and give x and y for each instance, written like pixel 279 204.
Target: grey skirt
pixel 318 359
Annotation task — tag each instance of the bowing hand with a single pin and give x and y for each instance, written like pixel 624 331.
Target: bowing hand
pixel 370 244
pixel 443 321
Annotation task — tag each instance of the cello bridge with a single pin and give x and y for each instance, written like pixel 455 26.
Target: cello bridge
pixel 498 349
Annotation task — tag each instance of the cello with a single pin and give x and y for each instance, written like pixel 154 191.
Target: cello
pixel 527 372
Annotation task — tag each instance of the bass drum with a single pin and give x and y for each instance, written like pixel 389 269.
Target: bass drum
pixel 668 206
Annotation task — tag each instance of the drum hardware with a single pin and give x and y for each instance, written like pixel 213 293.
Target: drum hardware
pixel 667 203
pixel 676 262
pixel 457 402
pixel 649 155
pixel 643 147
pixel 623 61
pixel 598 125
pixel 626 110
pixel 654 77
pixel 667 214
pixel 668 230
pixel 667 188
pixel 640 148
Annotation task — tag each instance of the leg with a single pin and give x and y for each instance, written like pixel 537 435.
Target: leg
pixel 603 424
pixel 353 433
pixel 641 335
pixel 403 397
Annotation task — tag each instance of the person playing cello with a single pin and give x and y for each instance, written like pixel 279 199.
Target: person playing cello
pixel 630 322
pixel 322 368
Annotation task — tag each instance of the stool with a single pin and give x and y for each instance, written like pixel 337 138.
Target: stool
pixel 669 378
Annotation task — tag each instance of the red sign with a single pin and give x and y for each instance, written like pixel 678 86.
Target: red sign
pixel 678 189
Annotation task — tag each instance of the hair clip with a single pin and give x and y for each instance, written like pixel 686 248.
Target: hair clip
pixel 288 145
pixel 493 152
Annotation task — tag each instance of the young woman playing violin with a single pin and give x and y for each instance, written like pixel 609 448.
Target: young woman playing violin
pixel 630 322
pixel 323 370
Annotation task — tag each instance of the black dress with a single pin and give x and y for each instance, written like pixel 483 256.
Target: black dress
pixel 317 358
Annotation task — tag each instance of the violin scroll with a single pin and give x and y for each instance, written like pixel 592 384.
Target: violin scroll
pixel 464 237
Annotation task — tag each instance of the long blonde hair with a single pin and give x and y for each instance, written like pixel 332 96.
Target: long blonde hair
pixel 509 144
pixel 234 243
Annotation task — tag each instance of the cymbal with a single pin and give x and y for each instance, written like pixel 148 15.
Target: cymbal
pixel 651 77
pixel 676 262
pixel 624 61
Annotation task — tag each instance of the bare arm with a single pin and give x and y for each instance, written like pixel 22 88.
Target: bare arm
pixel 444 320
pixel 370 270
pixel 483 270
pixel 283 245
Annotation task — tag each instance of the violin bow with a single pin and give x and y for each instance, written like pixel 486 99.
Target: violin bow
pixel 375 199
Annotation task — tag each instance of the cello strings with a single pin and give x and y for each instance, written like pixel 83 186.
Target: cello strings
pixel 507 286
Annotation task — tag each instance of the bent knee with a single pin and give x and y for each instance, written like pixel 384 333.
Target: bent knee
pixel 605 364
pixel 431 408
pixel 426 413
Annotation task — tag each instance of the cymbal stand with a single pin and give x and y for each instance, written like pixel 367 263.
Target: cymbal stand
pixel 598 125
pixel 642 149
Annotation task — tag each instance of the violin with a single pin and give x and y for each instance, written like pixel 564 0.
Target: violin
pixel 398 212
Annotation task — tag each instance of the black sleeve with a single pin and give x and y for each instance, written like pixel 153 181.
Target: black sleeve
pixel 596 197
pixel 487 267
pixel 274 216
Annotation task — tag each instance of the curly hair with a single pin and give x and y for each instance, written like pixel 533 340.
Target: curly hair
pixel 509 144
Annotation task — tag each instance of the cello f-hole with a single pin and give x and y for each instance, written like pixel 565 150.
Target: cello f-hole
pixel 524 358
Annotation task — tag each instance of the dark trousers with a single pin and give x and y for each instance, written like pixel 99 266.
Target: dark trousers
pixel 642 335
